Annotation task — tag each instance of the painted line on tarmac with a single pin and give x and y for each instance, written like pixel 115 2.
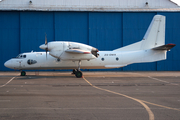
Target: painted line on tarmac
pixel 162 106
pixel 7 82
pixel 156 79
pixel 161 80
pixel 151 115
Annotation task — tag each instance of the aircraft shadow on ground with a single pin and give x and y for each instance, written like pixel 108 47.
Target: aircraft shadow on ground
pixel 44 76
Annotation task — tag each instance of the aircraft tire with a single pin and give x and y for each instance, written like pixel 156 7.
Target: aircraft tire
pixel 23 73
pixel 78 74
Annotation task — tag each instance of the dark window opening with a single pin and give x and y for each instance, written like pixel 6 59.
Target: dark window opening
pixel 102 59
pixel 21 56
pixel 117 58
pixel 30 62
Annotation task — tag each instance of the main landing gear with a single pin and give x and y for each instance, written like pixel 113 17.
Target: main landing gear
pixel 78 72
pixel 23 73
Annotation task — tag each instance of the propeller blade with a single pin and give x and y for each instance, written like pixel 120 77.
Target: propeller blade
pixel 46 53
pixel 46 43
pixel 45 39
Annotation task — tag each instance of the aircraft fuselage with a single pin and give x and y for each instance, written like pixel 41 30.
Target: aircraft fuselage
pixel 106 59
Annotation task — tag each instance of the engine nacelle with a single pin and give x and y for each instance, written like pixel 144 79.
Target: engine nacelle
pixel 57 49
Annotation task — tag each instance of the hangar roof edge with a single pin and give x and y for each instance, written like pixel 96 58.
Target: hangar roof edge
pixel 89 5
pixel 96 9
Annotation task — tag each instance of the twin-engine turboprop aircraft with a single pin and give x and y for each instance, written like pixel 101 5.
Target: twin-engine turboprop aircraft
pixel 72 55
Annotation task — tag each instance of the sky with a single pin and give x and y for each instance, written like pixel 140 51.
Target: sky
pixel 176 1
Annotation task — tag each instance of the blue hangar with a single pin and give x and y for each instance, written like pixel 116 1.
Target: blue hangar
pixel 106 25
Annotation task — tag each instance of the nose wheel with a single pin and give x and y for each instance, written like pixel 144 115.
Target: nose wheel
pixel 23 73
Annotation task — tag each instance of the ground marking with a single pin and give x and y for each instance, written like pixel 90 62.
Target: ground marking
pixel 155 79
pixel 151 115
pixel 161 105
pixel 7 82
pixel 177 109
pixel 161 80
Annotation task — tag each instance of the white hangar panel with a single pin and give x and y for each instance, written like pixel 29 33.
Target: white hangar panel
pixel 89 5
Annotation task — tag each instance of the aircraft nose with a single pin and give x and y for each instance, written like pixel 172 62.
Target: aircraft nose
pixel 8 64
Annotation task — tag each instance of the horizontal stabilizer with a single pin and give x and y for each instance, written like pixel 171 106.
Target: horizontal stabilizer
pixel 164 47
pixel 77 51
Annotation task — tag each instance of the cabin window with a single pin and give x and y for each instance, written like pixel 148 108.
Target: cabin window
pixel 117 58
pixel 102 59
pixel 19 56
pixel 30 61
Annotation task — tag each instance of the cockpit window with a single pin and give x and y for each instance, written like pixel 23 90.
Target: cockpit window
pixel 21 56
pixel 18 56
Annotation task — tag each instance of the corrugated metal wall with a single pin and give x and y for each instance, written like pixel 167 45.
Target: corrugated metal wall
pixel 25 31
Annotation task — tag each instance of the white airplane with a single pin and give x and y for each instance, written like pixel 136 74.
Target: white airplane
pixel 73 55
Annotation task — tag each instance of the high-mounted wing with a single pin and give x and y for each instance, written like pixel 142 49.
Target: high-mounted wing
pixel 70 50
pixel 77 51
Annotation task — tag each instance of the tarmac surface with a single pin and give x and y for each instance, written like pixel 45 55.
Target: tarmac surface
pixel 96 96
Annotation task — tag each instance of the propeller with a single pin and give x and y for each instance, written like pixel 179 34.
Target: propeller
pixel 46 44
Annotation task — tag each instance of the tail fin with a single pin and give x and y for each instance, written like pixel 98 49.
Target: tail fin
pixel 154 37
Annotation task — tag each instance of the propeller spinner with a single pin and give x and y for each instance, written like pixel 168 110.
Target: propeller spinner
pixel 45 46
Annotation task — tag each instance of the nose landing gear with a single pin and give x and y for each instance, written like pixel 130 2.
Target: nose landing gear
pixel 23 73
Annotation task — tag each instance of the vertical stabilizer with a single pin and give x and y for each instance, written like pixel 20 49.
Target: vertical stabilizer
pixel 155 35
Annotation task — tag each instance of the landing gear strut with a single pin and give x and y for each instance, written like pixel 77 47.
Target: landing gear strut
pixel 23 73
pixel 78 72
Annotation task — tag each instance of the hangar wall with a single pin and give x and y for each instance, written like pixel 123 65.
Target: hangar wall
pixel 24 31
